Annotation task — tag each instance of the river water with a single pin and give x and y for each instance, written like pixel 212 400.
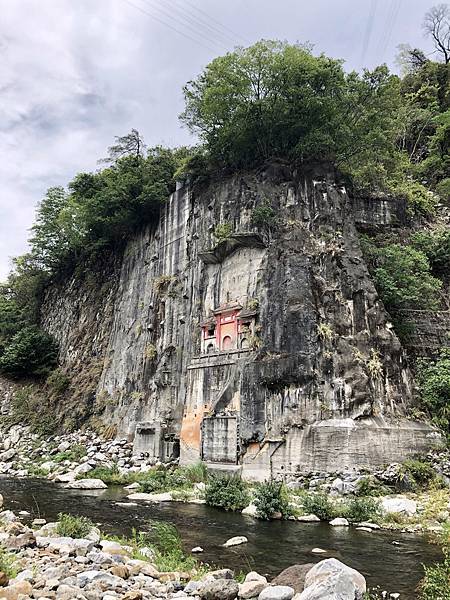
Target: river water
pixel 272 546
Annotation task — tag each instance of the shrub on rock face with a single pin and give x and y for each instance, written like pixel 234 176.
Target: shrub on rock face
pixel 271 498
pixel 229 493
pixel 421 473
pixel 369 486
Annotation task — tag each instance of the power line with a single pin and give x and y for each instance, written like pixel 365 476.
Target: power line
pixel 203 22
pixel 368 31
pixel 391 27
pixel 172 16
pixel 388 20
pixel 156 18
pixel 214 20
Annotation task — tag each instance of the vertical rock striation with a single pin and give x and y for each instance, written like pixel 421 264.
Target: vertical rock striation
pixel 266 349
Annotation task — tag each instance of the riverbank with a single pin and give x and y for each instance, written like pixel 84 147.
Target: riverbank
pixel 72 558
pixel 388 560
pixel 83 460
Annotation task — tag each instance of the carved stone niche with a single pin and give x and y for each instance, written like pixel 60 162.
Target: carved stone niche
pixel 231 328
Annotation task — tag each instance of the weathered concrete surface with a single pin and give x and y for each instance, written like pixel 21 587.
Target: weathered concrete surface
pixel 322 369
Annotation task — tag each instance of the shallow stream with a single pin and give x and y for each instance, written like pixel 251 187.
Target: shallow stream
pixel 392 561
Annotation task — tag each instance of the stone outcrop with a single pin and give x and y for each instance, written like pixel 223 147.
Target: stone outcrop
pixel 263 348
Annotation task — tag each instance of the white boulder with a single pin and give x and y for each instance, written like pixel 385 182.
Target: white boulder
pixel 399 504
pixel 87 484
pixel 236 541
pixel 332 580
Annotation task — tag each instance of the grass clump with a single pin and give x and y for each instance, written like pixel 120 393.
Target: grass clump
pixel 7 564
pixel 74 527
pixel 318 504
pixel 271 498
pixel 37 471
pixel 181 478
pixel 229 493
pixel 75 454
pixel 109 475
pixel 169 554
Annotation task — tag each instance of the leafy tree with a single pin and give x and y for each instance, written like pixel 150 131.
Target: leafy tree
pixel 132 144
pixel 49 241
pixel 435 244
pixel 434 387
pixel 31 352
pixel 11 319
pixel 110 205
pixel 403 278
pixel 275 99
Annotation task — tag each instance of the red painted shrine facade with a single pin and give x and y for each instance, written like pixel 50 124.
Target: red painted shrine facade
pixel 230 328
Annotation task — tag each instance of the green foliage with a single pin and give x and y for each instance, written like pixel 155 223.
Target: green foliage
pixel 36 471
pixel 276 99
pixel 369 486
pixel 31 352
pixel 270 498
pixel 435 244
pixel 264 215
pixel 229 493
pixel 74 527
pixel 27 406
pixel 436 583
pixel 223 231
pixel 421 472
pixel 107 206
pixel 318 504
pixel 75 454
pixel 58 381
pixel 434 388
pixel 362 509
pixel 162 479
pixel 169 554
pixel 403 276
pixel 8 564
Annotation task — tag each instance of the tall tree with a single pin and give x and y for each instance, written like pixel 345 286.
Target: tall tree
pixel 437 25
pixel 131 144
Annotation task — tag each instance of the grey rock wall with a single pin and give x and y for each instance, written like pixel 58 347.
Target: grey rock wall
pixel 310 362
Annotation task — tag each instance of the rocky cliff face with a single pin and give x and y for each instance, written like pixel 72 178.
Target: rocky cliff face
pixel 264 349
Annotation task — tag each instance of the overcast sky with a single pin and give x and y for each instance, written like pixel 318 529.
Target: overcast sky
pixel 75 73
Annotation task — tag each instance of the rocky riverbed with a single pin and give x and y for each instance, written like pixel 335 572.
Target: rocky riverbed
pixel 36 561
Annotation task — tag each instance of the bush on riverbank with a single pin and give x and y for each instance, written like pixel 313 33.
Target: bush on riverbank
pixel 229 493
pixel 362 509
pixel 7 563
pixel 164 543
pixel 318 504
pixel 271 498
pixel 163 480
pixel 74 527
